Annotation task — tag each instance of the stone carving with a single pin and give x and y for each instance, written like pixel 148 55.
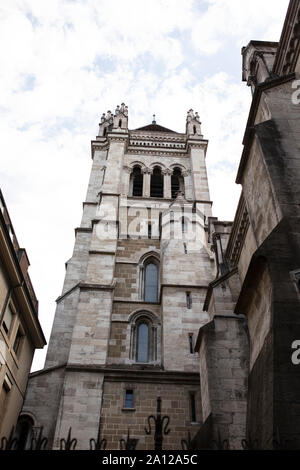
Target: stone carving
pixel 124 109
pixel 128 169
pixel 190 115
pixel 167 171
pixel 193 117
pixel 147 171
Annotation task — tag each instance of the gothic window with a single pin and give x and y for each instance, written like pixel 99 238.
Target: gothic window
pixel 143 342
pixel 144 338
pixel 157 183
pixel 151 282
pixel 137 181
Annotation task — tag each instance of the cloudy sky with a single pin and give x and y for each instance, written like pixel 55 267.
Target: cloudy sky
pixel 65 62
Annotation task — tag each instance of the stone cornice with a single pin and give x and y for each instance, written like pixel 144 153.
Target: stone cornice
pixel 158 136
pixel 238 233
pixel 83 230
pixel 156 151
pixel 116 136
pixel 214 284
pixel 138 373
pixel 98 145
pixel 86 286
pixel 211 324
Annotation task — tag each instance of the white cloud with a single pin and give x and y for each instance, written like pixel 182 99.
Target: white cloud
pixel 227 19
pixel 63 63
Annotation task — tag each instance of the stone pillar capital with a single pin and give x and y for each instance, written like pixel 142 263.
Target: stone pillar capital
pixel 127 169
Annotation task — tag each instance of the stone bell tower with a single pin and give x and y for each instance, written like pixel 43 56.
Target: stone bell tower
pixel 132 302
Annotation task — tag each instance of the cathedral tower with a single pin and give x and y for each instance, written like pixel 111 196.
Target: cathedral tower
pixel 132 301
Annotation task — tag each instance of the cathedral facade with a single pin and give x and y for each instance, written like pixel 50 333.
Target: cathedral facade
pixel 165 305
pixel 126 323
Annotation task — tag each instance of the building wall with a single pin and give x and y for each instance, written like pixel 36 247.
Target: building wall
pixel 116 420
pixel 20 331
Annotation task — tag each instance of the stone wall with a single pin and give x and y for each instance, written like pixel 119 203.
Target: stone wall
pixel 223 349
pixel 116 420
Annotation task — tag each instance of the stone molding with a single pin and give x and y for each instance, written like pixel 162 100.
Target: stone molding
pixel 139 373
pixel 86 286
pixel 238 233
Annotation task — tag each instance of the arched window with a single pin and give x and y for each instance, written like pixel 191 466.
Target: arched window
pixel 120 123
pixel 143 342
pixel 157 183
pixel 145 338
pixel 151 283
pixel 104 131
pixel 195 130
pixel 176 182
pixel 24 431
pixel 136 182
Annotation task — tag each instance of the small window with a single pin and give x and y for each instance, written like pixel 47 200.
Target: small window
pixel 128 399
pixel 191 343
pixel 17 342
pixel 193 407
pixel 120 123
pixel 185 248
pixel 188 300
pixel 7 320
pixel 150 231
pixel 183 225
pixel 297 278
pixel 103 175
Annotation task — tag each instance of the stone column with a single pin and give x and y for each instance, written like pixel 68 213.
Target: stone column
pixel 198 166
pixel 167 183
pixel 126 180
pixel 187 184
pixel 147 172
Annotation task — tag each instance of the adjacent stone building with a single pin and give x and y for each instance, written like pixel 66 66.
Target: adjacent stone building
pixel 20 330
pixel 161 299
pixel 259 264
